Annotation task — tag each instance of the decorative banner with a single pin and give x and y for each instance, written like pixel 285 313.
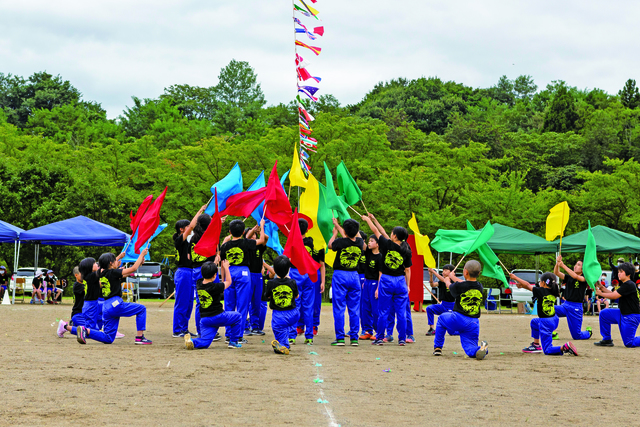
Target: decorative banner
pixel 306 94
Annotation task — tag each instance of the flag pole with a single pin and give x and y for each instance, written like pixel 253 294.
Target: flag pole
pixel 459 262
pixel 365 208
pixel 357 213
pixel 174 292
pixel 434 297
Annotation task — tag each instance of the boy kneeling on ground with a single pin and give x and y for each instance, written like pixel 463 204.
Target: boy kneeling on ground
pixel 281 293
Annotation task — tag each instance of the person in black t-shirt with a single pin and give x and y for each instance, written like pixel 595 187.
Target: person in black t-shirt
pixel 4 280
pixel 38 288
pixel 543 326
pixel 211 292
pixel 183 278
pixel 465 317
pixel 345 283
pixel 627 315
pixel 256 312
pixel 239 252
pixel 281 293
pixel 447 301
pixel 53 292
pixel 77 317
pixel 114 308
pixel 370 266
pixel 575 288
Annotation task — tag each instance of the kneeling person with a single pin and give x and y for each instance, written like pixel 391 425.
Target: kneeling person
pixel 212 314
pixel 465 317
pixel 281 293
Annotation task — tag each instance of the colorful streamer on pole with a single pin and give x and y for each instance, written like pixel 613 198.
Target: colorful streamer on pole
pixel 305 94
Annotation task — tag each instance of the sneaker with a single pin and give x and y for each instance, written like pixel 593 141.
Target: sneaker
pixel 570 349
pixel 143 341
pixel 300 331
pixel 61 330
pixel 338 343
pixel 42 302
pixel 590 331
pixel 315 330
pixel 377 342
pixel 119 335
pixel 410 339
pixel 177 335
pixel 604 343
pixel 308 341
pixel 354 343
pixel 292 341
pixel 81 335
pixel 188 344
pixel 388 338
pixel 431 332
pixel 257 332
pixel 243 341
pixel 193 334
pixel 554 335
pixel 533 348
pixel 437 352
pixel 401 343
pixel 482 351
pixel 233 344
pixel 366 336
pixel 246 332
pixel 216 338
pixel 279 348
pixel 226 339
pixel 32 302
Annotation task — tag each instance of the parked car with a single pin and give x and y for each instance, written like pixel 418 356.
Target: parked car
pixel 26 273
pixel 153 278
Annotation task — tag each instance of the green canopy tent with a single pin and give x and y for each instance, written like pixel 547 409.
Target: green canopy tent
pixel 608 240
pixel 509 240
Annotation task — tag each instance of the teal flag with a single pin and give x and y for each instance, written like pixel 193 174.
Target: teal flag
pixel 490 261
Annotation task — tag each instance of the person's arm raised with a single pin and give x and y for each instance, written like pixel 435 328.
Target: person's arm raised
pixel 556 268
pixel 189 228
pixel 227 274
pixel 127 271
pixel 371 225
pixel 435 273
pixel 521 283
pixel 379 227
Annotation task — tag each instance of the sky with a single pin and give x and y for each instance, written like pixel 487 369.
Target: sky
pixel 113 50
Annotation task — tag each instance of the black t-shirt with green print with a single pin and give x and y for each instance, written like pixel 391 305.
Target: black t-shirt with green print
pixel 238 252
pixel 574 290
pixel 394 258
pixel 468 297
pixel 78 298
pixel 255 262
pixel 210 295
pixel 348 253
pixel 316 254
pixel 111 282
pixel 371 265
pixel 444 293
pixel 183 252
pixel 546 302
pixel 281 293
pixel 92 290
pixel 629 301
pixel 196 259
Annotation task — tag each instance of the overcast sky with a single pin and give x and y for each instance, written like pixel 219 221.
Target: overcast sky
pixel 112 50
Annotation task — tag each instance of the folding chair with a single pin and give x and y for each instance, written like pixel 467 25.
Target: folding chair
pixel 19 288
pixel 495 293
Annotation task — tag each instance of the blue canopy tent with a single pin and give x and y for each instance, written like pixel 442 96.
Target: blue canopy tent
pixel 78 231
pixel 11 234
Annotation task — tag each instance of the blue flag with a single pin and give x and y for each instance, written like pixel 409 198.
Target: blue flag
pixel 227 187
pixel 131 255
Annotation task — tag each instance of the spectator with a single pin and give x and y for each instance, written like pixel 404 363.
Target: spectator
pixel 4 280
pixel 603 301
pixel 38 287
pixel 53 292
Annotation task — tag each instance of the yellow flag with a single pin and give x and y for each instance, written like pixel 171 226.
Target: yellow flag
pixel 422 243
pixel 309 201
pixel 296 176
pixel 557 221
pixel 330 257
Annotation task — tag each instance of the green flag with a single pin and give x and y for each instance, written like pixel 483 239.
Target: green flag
pixel 490 261
pixel 461 241
pixel 325 220
pixel 349 190
pixel 591 268
pixel 333 201
pixel 483 237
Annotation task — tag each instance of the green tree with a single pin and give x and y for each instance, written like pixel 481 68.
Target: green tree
pixel 524 87
pixel 629 95
pixel 562 115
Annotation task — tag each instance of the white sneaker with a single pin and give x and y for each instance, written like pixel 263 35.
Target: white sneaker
pixel 61 328
pixel 119 335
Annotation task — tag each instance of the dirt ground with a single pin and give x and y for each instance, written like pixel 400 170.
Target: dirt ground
pixel 53 381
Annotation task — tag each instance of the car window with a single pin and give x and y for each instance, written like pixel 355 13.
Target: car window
pixel 149 269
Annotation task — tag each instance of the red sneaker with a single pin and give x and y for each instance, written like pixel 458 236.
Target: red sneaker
pixel 300 331
pixel 366 336
pixel 315 330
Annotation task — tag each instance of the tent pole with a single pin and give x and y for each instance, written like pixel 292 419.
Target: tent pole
pixel 450 257
pixel 537 267
pixel 15 269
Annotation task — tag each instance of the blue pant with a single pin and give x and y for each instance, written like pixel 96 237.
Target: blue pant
pixel 258 308
pixel 542 329
pixel 467 327
pixel 77 320
pixel 92 312
pixel 306 290
pixel 392 292
pixel 183 306
pixel 100 319
pixel 196 274
pixel 628 325
pixel 317 301
pixel 409 319
pixel 112 317
pixel 283 324
pixel 346 294
pixel 438 309
pixel 238 295
pixel 209 327
pixel 369 307
pixel 573 312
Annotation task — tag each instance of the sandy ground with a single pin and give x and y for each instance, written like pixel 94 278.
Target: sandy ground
pixel 53 381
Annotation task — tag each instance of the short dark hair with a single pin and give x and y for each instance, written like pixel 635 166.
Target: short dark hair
pixel 351 227
pixel 182 223
pixel 401 233
pixel 304 225
pixel 374 237
pixel 449 267
pixel 281 265
pixel 105 260
pixel 86 267
pixel 474 268
pixel 209 270
pixel 363 235
pixel 236 228
pixel 628 268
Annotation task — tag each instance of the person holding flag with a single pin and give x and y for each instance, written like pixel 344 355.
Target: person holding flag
pixel 575 289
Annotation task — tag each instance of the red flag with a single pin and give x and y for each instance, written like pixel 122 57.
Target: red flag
pixel 276 202
pixel 135 219
pixel 319 30
pixel 208 244
pixel 150 221
pixel 297 253
pixel 243 204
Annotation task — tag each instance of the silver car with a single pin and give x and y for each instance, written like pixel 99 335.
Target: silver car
pixel 153 278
